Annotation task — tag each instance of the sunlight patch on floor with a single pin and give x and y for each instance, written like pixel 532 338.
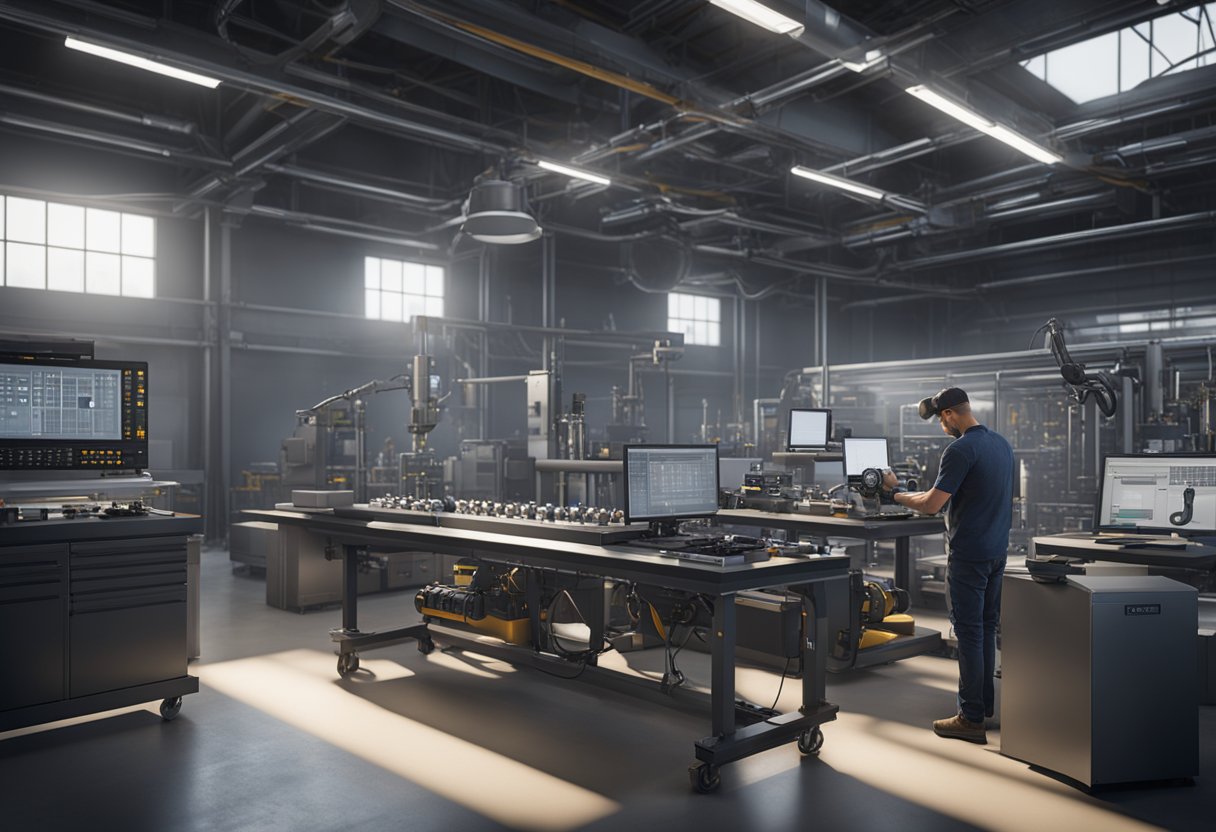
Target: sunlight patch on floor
pixel 301 688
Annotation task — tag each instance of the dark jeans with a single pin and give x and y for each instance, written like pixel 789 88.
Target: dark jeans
pixel 975 597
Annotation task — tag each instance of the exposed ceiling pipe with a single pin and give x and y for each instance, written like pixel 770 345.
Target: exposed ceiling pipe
pixel 465 126
pixel 75 133
pixel 360 187
pixel 1038 210
pixel 287 136
pixel 333 225
pixel 189 50
pixel 892 299
pixel 158 122
pixel 1054 208
pixel 1135 229
pixel 1019 282
pixel 733 219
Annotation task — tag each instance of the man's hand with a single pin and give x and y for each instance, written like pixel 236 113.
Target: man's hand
pixel 889 480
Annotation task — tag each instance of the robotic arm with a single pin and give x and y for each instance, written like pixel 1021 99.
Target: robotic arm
pixel 1082 384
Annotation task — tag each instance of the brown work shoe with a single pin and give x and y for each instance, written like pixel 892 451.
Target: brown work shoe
pixel 959 728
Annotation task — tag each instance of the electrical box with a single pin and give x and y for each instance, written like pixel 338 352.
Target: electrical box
pixel 540 414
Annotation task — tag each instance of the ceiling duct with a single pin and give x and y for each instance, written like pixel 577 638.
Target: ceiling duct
pixel 657 265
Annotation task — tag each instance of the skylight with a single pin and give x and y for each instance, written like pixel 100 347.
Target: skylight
pixel 1118 61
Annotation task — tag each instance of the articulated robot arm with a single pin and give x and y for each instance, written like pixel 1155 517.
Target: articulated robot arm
pixel 1082 384
pixel 401 382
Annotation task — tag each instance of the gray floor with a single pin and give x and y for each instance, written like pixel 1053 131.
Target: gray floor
pixel 459 741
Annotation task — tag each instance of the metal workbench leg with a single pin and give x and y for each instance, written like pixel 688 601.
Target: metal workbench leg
pixel 722 675
pixel 532 597
pixel 350 589
pixel 595 622
pixel 903 563
pixel 816 648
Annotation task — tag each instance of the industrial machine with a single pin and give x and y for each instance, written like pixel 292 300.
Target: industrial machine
pixel 486 598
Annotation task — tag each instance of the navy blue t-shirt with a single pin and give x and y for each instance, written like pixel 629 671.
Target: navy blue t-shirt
pixel 977 471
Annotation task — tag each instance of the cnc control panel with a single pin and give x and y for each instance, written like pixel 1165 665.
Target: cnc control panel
pixel 77 414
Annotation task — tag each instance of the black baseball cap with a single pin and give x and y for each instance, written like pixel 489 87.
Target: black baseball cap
pixel 944 400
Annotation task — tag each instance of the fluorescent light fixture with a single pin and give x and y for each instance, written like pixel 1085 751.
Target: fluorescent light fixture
pixel 574 173
pixel 142 63
pixel 762 16
pixel 985 125
pixel 967 117
pixel 839 182
pixel 1025 145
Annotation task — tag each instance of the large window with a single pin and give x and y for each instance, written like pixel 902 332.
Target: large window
pixel 698 317
pixel 68 248
pixel 396 290
pixel 1118 61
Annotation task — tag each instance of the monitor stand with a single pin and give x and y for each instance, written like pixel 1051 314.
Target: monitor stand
pixel 664 528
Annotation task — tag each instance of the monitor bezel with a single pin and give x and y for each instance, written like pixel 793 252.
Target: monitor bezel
pixel 629 518
pixel 136 446
pixel 844 456
pixel 790 447
pixel 1158 530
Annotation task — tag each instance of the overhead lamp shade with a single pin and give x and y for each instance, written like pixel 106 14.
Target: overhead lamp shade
pixel 497 212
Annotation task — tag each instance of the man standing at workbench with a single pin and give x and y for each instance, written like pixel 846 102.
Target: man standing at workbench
pixel 976 478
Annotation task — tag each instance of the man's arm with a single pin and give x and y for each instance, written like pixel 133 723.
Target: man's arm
pixel 931 501
pixel 926 502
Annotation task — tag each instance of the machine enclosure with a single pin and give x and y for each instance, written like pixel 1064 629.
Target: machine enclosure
pixel 1099 678
pixel 322 499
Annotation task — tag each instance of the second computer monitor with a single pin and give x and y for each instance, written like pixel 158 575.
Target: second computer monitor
pixel 1158 493
pixel 670 482
pixel 809 429
pixel 860 454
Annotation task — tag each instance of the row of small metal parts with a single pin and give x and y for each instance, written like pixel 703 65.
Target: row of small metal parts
pixel 490 508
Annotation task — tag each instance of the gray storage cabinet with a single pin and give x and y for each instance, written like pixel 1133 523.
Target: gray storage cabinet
pixel 1099 677
pixel 93 616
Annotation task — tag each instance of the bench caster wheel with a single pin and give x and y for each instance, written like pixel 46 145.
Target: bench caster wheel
pixel 348 663
pixel 810 740
pixel 170 708
pixel 704 777
pixel 426 645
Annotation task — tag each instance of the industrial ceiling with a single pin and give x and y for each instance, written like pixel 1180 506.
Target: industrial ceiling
pixel 374 118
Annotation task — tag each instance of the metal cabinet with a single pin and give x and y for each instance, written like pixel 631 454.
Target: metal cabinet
pixel 33 624
pixel 127 618
pixel 93 617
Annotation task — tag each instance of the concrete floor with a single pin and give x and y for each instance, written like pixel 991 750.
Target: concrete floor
pixel 458 741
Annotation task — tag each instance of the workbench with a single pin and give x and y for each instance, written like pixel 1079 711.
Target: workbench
pixel 1085 546
pixel 93 616
pixel 736 731
pixel 901 531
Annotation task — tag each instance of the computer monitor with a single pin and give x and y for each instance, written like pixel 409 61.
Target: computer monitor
pixel 670 482
pixel 809 429
pixel 863 453
pixel 77 414
pixel 1147 493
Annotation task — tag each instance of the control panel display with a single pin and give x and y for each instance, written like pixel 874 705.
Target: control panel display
pixel 1159 493
pixel 73 414
pixel 664 482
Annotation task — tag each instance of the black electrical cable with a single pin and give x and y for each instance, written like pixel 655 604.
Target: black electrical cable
pixel 777 698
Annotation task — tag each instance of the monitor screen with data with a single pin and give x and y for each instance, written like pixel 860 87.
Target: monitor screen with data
pixel 1158 493
pixel 73 414
pixel 809 429
pixel 860 454
pixel 48 402
pixel 670 482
